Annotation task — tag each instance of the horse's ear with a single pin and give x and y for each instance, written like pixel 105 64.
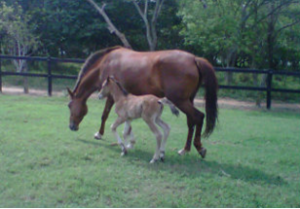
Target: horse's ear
pixel 70 93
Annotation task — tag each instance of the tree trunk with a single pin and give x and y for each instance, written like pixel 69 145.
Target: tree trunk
pixel 25 84
pixel 151 33
pixel 111 27
pixel 270 37
pixel 25 79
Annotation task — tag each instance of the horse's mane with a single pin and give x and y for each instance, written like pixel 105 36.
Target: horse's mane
pixel 90 61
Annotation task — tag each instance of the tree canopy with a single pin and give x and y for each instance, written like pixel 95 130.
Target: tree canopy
pixel 239 33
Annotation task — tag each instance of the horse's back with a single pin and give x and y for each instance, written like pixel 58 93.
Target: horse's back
pixel 171 73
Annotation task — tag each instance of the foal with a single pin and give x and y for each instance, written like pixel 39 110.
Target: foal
pixel 130 107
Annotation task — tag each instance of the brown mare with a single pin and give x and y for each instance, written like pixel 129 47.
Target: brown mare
pixel 174 74
pixel 130 107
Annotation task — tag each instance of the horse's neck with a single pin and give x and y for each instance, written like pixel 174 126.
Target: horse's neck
pixel 88 85
pixel 116 93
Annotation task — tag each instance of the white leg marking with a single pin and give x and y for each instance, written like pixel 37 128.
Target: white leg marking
pixel 182 152
pixel 97 135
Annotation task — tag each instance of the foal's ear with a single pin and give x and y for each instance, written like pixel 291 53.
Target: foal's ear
pixel 70 93
pixel 112 78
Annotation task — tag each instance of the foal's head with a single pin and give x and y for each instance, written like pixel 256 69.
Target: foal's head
pixel 78 109
pixel 108 88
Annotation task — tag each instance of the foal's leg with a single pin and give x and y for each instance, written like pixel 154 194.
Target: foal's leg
pixel 114 127
pixel 108 105
pixel 158 136
pixel 128 132
pixel 166 129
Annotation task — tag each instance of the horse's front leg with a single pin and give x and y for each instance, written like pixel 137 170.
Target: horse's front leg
pixel 114 127
pixel 108 105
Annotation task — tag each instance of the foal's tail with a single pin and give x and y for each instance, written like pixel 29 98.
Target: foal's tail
pixel 208 77
pixel 164 101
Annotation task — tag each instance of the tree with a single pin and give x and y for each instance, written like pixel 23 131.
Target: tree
pixel 19 39
pixel 241 33
pixel 151 31
pixel 111 27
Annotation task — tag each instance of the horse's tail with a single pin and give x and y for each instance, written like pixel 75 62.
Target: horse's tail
pixel 209 79
pixel 165 101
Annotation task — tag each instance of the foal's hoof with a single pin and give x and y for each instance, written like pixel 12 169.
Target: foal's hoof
pixel 182 152
pixel 202 152
pixel 162 156
pixel 97 136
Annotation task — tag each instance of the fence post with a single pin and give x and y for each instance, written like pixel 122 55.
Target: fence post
pixel 269 89
pixel 49 60
pixel 0 75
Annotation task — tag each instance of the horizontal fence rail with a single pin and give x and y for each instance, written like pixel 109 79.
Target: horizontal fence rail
pixel 268 89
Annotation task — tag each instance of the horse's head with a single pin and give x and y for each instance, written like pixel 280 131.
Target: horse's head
pixel 78 109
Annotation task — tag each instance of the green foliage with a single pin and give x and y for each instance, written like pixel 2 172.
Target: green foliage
pixel 253 160
pixel 17 28
pixel 75 29
pixel 256 34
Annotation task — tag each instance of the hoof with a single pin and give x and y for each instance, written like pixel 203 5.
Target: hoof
pixel 202 152
pixel 182 152
pixel 98 136
pixel 162 156
pixel 129 146
pixel 123 153
pixel 153 161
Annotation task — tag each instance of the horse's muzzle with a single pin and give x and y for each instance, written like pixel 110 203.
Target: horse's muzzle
pixel 73 127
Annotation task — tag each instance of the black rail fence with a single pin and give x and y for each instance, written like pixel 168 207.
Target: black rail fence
pixel 50 76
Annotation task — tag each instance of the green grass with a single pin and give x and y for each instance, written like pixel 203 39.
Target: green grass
pixel 252 161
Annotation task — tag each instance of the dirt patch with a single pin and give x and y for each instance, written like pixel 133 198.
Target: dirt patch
pixel 222 102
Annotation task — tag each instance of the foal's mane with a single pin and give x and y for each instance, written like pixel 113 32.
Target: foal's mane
pixel 125 93
pixel 90 61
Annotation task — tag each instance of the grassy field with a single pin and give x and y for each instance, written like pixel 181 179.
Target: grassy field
pixel 253 160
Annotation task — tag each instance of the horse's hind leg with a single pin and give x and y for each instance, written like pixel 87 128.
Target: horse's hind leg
pixel 128 132
pixel 166 129
pixel 194 117
pixel 197 140
pixel 108 105
pixel 187 147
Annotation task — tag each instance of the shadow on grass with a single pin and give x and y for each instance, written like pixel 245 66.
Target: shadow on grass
pixel 193 166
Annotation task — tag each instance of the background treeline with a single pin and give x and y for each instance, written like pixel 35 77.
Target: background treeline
pixel 241 33
pixel 260 34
